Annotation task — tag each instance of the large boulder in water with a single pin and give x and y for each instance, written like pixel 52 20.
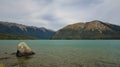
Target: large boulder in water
pixel 23 50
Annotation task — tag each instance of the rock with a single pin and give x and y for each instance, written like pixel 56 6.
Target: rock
pixel 14 53
pixel 5 53
pixel 4 58
pixel 24 50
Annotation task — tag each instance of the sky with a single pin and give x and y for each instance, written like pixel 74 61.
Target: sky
pixel 55 14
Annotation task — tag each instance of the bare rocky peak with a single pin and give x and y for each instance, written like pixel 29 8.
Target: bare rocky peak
pixel 75 26
pixel 43 29
pixel 10 24
pixel 96 24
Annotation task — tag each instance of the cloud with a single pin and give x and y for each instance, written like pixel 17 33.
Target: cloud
pixel 108 11
pixel 55 14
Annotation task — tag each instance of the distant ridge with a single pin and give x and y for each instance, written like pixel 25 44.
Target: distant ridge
pixel 10 28
pixel 90 30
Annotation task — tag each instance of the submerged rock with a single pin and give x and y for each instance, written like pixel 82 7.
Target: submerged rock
pixel 4 58
pixel 23 50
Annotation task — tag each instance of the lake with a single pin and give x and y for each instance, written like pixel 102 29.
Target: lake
pixel 63 53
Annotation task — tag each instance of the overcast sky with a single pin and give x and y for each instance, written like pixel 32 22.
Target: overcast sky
pixel 55 14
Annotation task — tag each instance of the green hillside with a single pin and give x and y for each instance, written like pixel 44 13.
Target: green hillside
pixel 14 37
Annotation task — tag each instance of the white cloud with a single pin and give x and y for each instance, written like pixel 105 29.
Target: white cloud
pixel 55 14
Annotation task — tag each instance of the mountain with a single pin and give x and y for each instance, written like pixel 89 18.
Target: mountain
pixel 90 30
pixel 23 30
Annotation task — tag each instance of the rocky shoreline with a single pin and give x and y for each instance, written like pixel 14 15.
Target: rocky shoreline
pixel 13 61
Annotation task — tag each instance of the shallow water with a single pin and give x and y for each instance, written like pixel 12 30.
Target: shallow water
pixel 63 53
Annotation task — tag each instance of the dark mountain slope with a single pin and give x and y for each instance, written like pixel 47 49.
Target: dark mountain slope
pixel 19 29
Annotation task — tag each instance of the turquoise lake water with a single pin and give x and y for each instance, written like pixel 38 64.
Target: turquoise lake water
pixel 63 53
